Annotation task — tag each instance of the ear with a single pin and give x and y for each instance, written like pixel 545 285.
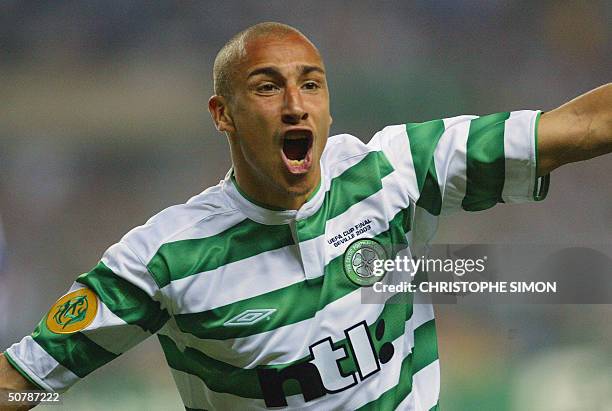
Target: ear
pixel 219 111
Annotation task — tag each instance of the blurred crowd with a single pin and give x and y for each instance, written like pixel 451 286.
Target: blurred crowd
pixel 104 122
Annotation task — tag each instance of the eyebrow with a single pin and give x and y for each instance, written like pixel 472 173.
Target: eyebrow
pixel 274 72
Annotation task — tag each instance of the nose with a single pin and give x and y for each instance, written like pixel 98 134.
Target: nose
pixel 293 108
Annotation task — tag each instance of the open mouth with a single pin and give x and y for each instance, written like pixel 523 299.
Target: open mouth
pixel 297 151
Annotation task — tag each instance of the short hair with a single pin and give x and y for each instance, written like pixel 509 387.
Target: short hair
pixel 235 49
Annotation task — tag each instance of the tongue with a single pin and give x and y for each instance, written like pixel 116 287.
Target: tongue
pixel 295 149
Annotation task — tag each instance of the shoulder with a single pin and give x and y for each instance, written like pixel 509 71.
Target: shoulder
pixel 203 215
pixel 344 151
pixel 343 148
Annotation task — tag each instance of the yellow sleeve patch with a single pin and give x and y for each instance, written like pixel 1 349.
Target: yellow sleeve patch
pixel 73 312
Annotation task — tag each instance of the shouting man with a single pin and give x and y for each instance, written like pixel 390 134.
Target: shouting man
pixel 252 286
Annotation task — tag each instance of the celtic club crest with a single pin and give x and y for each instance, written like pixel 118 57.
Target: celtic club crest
pixel 359 260
pixel 73 312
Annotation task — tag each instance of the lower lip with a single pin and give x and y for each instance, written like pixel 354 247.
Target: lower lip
pixel 297 169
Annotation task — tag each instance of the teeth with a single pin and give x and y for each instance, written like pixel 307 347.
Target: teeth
pixel 296 162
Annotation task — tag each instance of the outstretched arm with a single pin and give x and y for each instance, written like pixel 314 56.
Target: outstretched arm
pixel 578 130
pixel 11 380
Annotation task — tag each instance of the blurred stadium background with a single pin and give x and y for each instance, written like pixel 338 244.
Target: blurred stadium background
pixel 103 122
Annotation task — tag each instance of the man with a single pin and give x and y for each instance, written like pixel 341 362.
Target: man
pixel 251 286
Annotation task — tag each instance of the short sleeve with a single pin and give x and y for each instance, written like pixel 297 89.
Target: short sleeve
pixel 107 311
pixel 467 162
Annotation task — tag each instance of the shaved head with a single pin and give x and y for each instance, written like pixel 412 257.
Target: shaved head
pixel 272 102
pixel 234 51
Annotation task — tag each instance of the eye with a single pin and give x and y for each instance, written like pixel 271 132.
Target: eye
pixel 267 88
pixel 311 85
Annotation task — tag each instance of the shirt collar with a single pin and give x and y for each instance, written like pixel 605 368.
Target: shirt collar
pixel 263 215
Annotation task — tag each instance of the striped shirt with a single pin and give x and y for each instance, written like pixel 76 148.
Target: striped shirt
pixel 254 308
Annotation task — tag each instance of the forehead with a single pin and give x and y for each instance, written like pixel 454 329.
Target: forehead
pixel 285 52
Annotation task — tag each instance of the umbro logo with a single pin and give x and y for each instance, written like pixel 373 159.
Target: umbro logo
pixel 250 317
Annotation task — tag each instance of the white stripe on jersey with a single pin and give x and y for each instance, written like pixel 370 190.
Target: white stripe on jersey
pixel 122 261
pixel 519 150
pixel 425 389
pixel 283 339
pixel 40 366
pixel 450 157
pixel 393 141
pixel 194 219
pixel 238 280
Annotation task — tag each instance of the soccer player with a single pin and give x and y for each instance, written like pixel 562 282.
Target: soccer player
pixel 252 286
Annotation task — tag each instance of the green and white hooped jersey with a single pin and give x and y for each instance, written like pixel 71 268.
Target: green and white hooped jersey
pixel 256 308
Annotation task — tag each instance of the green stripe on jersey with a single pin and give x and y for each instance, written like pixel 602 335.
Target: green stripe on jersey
pixel 315 295
pixel 347 189
pixel 124 299
pixel 226 378
pixel 425 352
pixel 246 239
pixel 423 138
pixel 217 375
pixel 391 398
pixel 485 162
pixel 75 351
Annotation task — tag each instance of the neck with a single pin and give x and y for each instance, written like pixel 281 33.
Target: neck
pixel 272 199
